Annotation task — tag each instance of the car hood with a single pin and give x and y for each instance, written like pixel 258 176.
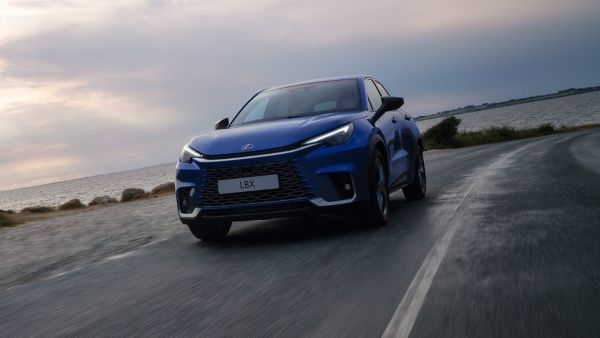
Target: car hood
pixel 269 135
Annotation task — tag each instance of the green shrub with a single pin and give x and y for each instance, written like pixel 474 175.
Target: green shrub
pixel 442 134
pixel 445 134
pixel 490 135
pixel 546 129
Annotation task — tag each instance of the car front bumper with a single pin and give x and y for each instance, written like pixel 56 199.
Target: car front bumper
pixel 315 166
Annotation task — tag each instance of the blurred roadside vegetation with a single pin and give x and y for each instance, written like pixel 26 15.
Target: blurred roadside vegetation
pixel 6 220
pixel 446 135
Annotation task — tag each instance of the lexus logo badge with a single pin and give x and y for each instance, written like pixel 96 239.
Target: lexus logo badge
pixel 247 146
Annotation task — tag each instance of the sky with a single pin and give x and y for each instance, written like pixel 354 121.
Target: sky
pixel 90 87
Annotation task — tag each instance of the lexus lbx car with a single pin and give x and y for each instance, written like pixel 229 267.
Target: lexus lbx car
pixel 337 145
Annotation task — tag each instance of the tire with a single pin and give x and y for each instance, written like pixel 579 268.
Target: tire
pixel 210 231
pixel 418 188
pixel 377 208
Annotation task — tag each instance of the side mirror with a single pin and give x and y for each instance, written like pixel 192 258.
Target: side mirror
pixel 387 103
pixel 222 124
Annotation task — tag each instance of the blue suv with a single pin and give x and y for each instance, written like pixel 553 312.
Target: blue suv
pixel 320 146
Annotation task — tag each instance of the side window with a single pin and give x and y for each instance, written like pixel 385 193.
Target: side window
pixel 381 89
pixel 328 105
pixel 373 94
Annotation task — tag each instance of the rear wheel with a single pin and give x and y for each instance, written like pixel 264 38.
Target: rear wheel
pixel 210 231
pixel 376 213
pixel 417 189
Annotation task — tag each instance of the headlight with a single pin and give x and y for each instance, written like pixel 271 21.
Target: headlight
pixel 336 136
pixel 187 154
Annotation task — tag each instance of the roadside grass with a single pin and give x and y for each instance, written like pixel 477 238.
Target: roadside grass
pixel 445 134
pixel 7 220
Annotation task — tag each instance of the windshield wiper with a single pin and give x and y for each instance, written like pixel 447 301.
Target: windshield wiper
pixel 298 115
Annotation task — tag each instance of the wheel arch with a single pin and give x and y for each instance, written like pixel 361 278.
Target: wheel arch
pixel 377 143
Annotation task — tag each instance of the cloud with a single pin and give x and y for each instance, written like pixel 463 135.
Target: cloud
pixel 35 161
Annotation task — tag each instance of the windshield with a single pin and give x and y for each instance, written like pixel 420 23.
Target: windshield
pixel 301 100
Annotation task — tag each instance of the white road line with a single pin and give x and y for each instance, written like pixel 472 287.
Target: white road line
pixel 134 251
pixel 407 311
pixel 14 287
pixel 65 272
pixel 109 258
pixel 157 241
pixel 406 314
pixel 119 256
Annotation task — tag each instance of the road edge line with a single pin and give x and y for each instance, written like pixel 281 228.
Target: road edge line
pixel 407 311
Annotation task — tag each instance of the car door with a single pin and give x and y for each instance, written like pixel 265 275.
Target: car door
pixel 388 126
pixel 403 141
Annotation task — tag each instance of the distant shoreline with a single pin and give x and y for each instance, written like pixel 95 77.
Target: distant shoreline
pixel 512 102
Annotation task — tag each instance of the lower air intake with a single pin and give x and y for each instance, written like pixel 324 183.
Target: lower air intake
pixel 290 185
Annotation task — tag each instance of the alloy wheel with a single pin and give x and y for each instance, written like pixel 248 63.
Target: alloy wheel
pixel 421 174
pixel 382 189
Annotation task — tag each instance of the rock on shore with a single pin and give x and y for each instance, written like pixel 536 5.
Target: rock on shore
pixel 72 204
pixel 101 200
pixel 131 194
pixel 165 188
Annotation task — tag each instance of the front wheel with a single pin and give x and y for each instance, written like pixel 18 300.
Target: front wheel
pixel 210 231
pixel 377 208
pixel 417 189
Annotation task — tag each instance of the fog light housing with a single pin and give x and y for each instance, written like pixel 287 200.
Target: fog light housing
pixel 183 199
pixel 343 185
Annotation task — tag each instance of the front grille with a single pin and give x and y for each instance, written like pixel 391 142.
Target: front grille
pixel 290 185
pixel 285 207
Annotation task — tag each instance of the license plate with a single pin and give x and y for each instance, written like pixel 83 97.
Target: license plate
pixel 244 184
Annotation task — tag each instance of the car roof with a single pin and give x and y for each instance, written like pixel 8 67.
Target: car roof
pixel 336 78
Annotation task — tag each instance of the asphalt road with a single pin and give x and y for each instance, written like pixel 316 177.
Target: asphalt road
pixel 507 243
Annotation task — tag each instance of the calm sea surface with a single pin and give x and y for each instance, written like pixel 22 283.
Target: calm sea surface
pixel 87 188
pixel 568 111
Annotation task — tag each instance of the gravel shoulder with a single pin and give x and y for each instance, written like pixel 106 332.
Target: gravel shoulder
pixel 48 247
